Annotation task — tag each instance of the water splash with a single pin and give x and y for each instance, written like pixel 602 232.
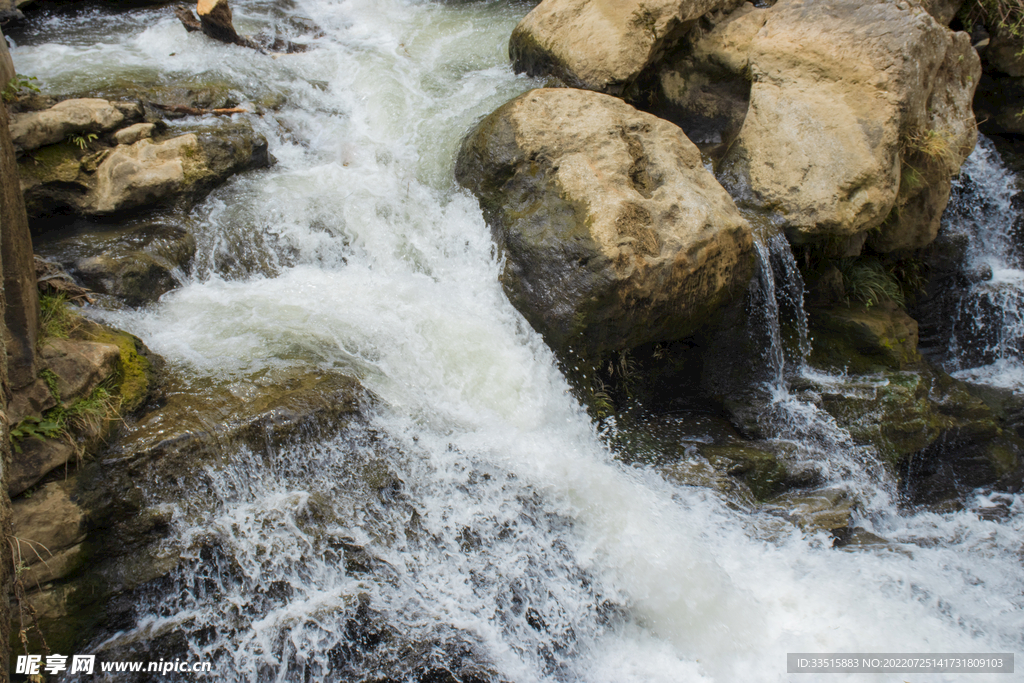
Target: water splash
pixel 987 338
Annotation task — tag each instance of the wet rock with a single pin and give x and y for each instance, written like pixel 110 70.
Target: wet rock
pixel 614 232
pixel 861 338
pixel 601 46
pixel 934 434
pixel 151 172
pixel 215 21
pixel 143 269
pixel 707 452
pixel 859 114
pixel 267 409
pixel 703 474
pixel 828 509
pixel 33 130
pixel 961 460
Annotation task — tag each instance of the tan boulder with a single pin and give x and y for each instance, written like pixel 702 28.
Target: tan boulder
pixel 856 108
pixel 614 232
pixel 142 173
pixel 601 45
pixel 36 129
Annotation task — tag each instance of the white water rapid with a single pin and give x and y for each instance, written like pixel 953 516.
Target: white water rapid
pixel 987 343
pixel 515 540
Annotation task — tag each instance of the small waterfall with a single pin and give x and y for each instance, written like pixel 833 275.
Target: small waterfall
pixel 777 294
pixel 792 413
pixel 986 342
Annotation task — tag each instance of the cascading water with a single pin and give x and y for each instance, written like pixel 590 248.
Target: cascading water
pixel 508 543
pixel 987 342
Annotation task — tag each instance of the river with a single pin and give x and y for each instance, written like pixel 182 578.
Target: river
pixel 513 545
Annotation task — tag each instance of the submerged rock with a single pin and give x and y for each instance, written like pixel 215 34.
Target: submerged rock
pixel 859 114
pixel 141 266
pixel 614 232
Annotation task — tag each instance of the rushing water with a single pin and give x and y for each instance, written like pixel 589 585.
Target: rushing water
pixel 987 342
pixel 510 542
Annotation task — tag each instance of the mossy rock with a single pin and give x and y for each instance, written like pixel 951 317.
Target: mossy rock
pixel 760 470
pixel 134 375
pixel 862 339
pixel 939 439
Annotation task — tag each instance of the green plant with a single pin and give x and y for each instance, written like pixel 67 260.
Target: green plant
pixel 869 281
pixel 81 141
pixel 55 318
pixel 1005 15
pixel 16 85
pixel 59 422
pixel 34 428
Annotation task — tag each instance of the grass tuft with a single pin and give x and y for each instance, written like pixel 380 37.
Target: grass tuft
pixel 868 280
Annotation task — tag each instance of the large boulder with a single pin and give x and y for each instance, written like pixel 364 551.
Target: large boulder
pixel 601 45
pixel 859 114
pixel 150 171
pixel 614 232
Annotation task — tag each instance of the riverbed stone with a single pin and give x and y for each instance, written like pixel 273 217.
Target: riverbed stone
pixel 36 129
pixel 614 233
pixel 134 133
pixel 601 45
pixel 148 173
pixel 859 114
